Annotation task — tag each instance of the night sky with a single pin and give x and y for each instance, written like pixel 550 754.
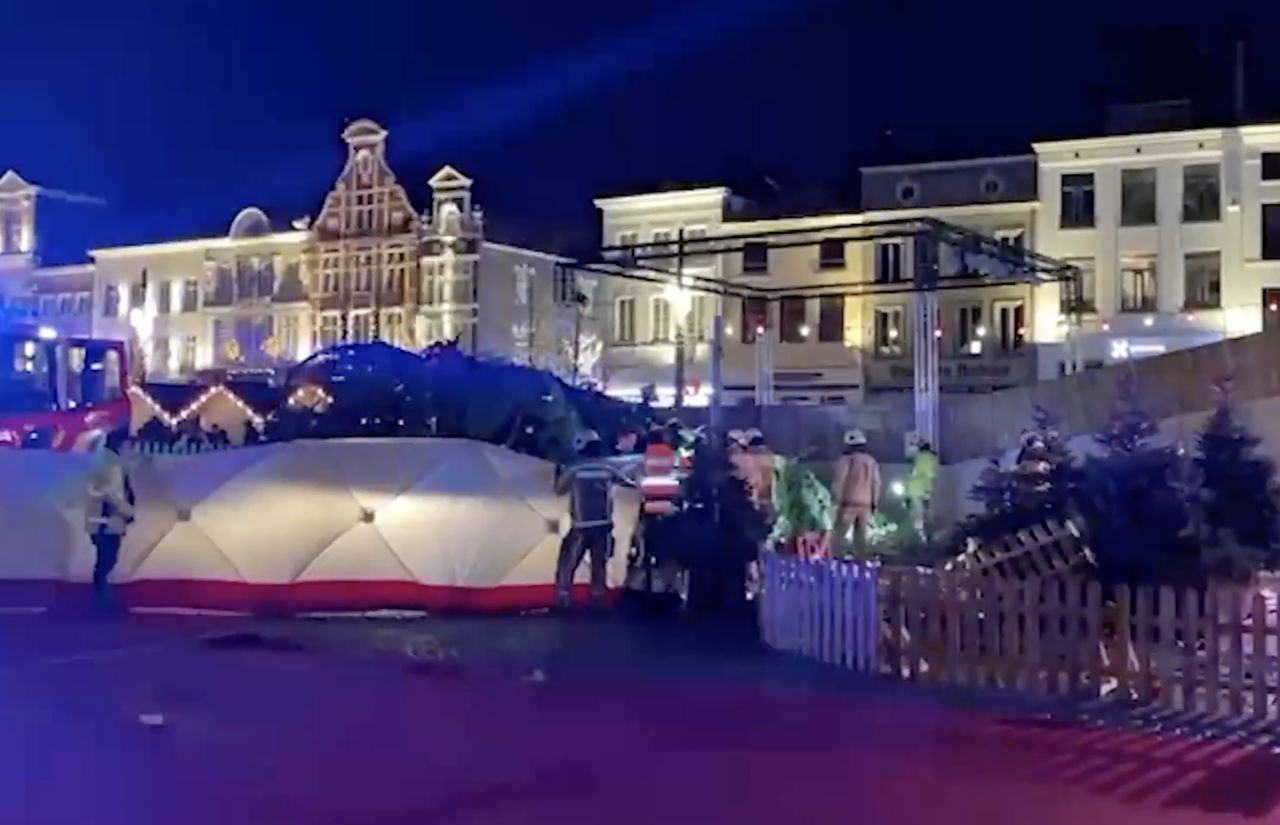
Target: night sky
pixel 177 114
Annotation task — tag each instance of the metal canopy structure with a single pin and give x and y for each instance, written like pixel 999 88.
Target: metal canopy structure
pixel 667 265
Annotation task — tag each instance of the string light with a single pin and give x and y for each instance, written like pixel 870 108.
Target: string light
pixel 172 421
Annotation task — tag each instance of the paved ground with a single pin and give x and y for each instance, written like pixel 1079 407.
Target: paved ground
pixel 331 722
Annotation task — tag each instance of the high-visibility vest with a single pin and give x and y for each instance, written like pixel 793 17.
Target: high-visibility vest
pixel 660 485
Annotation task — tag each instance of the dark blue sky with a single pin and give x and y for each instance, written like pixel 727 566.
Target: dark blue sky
pixel 179 113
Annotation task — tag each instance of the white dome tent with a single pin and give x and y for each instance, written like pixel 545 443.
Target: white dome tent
pixel 356 524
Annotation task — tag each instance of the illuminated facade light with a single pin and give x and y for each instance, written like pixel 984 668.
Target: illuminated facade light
pixel 804 330
pixel 981 331
pixel 46 333
pixel 893 333
pixel 1148 321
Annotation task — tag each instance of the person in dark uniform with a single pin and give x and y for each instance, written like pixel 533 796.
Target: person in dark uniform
pixel 589 482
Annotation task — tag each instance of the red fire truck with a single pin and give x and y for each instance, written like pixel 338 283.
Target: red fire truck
pixel 57 392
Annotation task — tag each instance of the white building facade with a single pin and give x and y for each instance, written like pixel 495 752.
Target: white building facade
pixel 1177 235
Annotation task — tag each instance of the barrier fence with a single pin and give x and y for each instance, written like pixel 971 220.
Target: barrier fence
pixel 1209 650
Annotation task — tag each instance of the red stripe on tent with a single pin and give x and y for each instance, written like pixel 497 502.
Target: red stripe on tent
pixel 297 597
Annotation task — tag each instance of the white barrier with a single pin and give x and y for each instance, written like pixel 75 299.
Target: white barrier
pixel 822 609
pixel 307 525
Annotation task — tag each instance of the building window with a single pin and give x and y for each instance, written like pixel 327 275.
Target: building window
pixel 1137 197
pixel 361 327
pixel 190 294
pixel 1203 273
pixel 393 328
pixel 330 330
pixel 1078 294
pixel 566 287
pixel 187 354
pixel 1011 325
pixel 991 185
pixel 628 242
pixel 660 319
pixel 793 328
pixel 111 301
pixel 287 344
pixel 1200 193
pixel 889 267
pixel 1138 285
pixel 624 320
pixel 969 329
pixel 755 256
pixel 831 318
pixel 755 319
pixel 701 311
pixel 695 251
pixel 889 331
pixel 84 304
pixel 831 254
pixel 1271 231
pixel 523 278
pixel 160 354
pixel 908 192
pixel 1271 165
pixel 1077 201
pixel 662 249
pixel 164 298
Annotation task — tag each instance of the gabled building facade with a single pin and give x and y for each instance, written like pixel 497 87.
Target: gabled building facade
pixel 369 267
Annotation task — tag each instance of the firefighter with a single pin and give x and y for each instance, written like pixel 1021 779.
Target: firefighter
pixel 589 482
pixel 109 509
pixel 856 490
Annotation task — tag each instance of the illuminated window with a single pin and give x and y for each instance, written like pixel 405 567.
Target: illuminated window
pixel 1011 323
pixel 330 329
pixel 362 327
pixel 1203 272
pixel 624 320
pixel 1078 294
pixel 187 356
pixel 660 319
pixel 969 330
pixel 701 311
pixel 889 331
pixel 755 319
pixel 1138 285
pixel 393 328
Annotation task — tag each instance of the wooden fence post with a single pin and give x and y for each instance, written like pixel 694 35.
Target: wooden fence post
pixel 1258 665
pixel 1190 640
pixel 1167 649
pixel 1031 633
pixel 1093 637
pixel 1213 670
pixel 1142 647
pixel 1235 655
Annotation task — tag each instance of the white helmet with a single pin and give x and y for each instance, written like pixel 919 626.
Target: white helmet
pixel 855 438
pixel 583 438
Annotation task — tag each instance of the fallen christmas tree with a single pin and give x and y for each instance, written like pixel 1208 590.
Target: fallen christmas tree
pixel 377 390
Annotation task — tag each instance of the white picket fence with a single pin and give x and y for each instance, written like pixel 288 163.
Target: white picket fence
pixel 822 609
